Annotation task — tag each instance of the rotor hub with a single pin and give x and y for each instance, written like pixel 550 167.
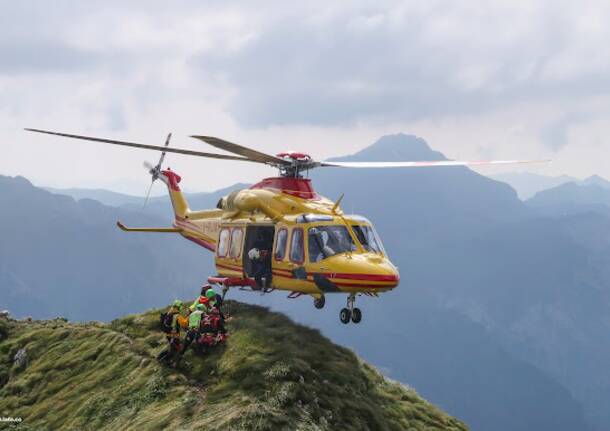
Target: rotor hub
pixel 298 162
pixel 292 156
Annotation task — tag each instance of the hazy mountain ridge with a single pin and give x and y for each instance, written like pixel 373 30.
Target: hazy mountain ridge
pixel 106 197
pixel 64 256
pixel 159 206
pixel 527 184
pixel 591 194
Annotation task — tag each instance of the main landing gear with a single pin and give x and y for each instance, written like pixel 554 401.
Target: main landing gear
pixel 350 313
pixel 319 302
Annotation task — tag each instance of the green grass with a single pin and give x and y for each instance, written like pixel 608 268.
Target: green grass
pixel 271 375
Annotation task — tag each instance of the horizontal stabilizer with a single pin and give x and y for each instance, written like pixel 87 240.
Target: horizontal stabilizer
pixel 148 229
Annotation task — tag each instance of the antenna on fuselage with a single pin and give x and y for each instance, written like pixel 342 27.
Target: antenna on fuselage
pixel 336 205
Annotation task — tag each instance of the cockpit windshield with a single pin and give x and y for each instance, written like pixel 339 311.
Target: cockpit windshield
pixel 326 241
pixel 368 238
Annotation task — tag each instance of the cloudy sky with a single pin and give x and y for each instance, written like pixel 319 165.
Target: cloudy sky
pixel 476 79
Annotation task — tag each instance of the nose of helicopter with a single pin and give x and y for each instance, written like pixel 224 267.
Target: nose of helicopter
pixel 363 272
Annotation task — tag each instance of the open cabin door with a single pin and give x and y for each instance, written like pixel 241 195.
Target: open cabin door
pixel 258 250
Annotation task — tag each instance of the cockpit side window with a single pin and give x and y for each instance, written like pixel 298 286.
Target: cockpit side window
pixel 326 241
pixel 368 238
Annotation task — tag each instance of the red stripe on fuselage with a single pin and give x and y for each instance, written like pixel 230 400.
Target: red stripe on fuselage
pixel 338 283
pixel 360 277
pixel 364 277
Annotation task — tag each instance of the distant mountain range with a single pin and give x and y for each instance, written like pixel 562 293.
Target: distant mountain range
pixel 103 196
pixel 64 257
pixel 501 308
pixel 527 184
pixel 591 194
pixel 157 205
pixel 560 195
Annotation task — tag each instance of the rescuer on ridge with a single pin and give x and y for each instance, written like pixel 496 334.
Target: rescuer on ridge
pixel 206 296
pixel 194 325
pixel 172 321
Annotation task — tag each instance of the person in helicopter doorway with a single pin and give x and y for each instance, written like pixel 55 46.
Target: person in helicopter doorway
pixel 260 260
pixel 171 322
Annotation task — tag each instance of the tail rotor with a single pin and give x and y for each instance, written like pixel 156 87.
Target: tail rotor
pixel 155 171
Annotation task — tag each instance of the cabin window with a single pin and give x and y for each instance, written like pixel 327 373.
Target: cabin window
pixel 326 241
pixel 223 242
pixel 297 246
pixel 237 236
pixel 368 238
pixel 280 244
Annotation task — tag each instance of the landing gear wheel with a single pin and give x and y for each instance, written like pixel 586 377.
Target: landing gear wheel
pixel 345 315
pixel 319 302
pixel 356 315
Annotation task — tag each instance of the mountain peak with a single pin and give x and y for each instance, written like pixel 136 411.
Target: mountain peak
pixel 396 147
pixel 16 180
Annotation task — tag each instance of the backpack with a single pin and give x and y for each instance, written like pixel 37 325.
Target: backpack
pixel 215 321
pixel 209 324
pixel 166 320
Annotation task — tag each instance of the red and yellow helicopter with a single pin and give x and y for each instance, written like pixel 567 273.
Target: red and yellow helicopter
pixel 279 234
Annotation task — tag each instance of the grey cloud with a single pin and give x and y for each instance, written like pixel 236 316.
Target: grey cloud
pixel 34 37
pixel 30 40
pixel 42 57
pixel 555 134
pixel 362 63
pixel 116 119
pixel 296 72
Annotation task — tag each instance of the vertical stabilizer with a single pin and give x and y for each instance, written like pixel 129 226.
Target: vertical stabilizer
pixel 172 180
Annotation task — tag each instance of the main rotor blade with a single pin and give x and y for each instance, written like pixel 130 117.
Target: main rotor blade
pixel 169 136
pixel 426 164
pixel 147 147
pixel 242 151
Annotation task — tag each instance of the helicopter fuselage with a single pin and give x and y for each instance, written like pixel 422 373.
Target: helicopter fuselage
pixel 305 244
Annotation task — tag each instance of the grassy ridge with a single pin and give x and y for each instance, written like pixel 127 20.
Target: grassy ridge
pixel 271 375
